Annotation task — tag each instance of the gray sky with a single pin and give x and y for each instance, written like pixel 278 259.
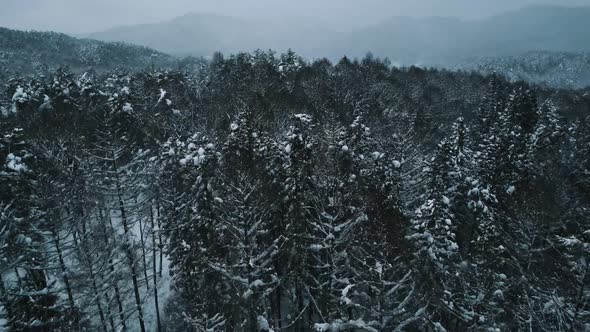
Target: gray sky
pixel 84 16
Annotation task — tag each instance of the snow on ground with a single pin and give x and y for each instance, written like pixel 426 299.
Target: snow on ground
pixel 164 292
pixel 147 295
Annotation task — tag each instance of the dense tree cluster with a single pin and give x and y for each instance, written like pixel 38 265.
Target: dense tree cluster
pixel 555 69
pixel 261 192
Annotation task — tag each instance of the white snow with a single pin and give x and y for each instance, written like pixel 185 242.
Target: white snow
pixel 446 200
pixel 419 312
pixel 303 117
pixel 46 106
pixel 263 324
pixel 397 164
pixel 256 283
pixel 342 326
pixel 127 108
pixel 15 163
pixel 498 294
pixel 346 290
pixel 569 241
pixel 510 190
pixel 345 148
pixel 316 247
pixel 162 95
pixel 439 328
pixel 20 95
pixel 379 268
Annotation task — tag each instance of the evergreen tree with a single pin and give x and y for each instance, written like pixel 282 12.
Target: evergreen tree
pixel 433 233
pixel 30 299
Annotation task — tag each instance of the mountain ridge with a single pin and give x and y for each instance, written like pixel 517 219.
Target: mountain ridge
pixel 405 40
pixel 28 51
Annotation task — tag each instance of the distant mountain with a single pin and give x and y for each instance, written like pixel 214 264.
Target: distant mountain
pixel 204 34
pixel 24 52
pixel 447 40
pixel 553 69
pixel 427 41
pixel 196 34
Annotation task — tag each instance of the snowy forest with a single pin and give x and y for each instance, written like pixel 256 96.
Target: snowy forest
pixel 266 192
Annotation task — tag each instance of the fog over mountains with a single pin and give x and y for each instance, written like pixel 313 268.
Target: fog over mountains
pixel 404 40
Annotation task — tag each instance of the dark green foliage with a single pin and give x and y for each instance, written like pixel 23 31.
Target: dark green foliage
pixel 290 195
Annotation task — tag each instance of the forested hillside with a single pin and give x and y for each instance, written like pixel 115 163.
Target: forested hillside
pixel 261 192
pixel 23 52
pixel 554 69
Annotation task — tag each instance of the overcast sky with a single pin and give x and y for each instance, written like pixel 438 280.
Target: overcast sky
pixel 83 16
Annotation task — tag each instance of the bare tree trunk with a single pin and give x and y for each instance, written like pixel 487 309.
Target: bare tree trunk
pixel 579 298
pixel 160 243
pixel 4 298
pixel 84 254
pixel 109 313
pixel 98 303
pixel 64 270
pixel 155 269
pixel 275 303
pixel 115 283
pixel 128 249
pixel 300 321
pixel 143 256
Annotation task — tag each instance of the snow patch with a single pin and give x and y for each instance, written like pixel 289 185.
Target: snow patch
pixel 162 95
pixel 127 108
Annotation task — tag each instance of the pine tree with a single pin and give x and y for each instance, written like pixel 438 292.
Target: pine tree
pixel 363 213
pixel 492 105
pixel 296 176
pixel 436 261
pixel 581 156
pixel 30 301
pixel 195 244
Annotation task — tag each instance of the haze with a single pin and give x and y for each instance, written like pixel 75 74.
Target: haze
pixel 85 16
